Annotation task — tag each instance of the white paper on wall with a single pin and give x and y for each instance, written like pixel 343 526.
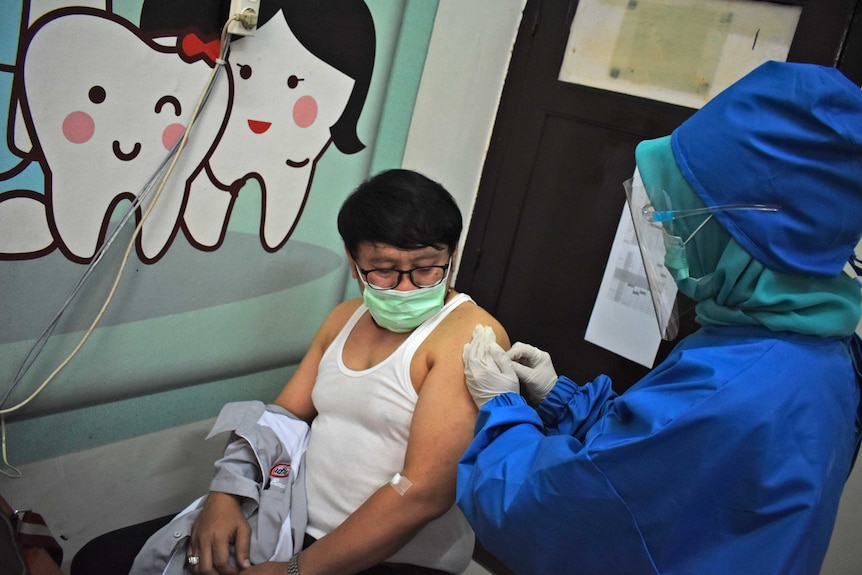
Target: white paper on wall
pixel 623 319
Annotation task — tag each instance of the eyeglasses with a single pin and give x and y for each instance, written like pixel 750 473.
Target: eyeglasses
pixel 421 277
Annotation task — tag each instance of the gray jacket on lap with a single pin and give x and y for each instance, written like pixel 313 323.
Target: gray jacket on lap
pixel 262 464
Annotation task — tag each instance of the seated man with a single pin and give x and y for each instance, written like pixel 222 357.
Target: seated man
pixel 383 386
pixel 383 383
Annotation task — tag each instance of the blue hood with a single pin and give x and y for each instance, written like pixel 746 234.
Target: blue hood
pixel 786 134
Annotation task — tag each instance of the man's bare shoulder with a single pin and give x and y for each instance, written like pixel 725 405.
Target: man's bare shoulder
pixel 337 318
pixel 457 328
pixel 442 351
pixel 346 308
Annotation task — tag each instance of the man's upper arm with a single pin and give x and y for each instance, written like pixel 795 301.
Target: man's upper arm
pixel 445 413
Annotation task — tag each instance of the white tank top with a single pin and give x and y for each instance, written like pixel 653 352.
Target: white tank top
pixel 358 440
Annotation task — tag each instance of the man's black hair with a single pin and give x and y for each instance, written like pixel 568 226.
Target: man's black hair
pixel 400 208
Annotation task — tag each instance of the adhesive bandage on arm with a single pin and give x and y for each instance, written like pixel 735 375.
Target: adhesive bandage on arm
pixel 400 483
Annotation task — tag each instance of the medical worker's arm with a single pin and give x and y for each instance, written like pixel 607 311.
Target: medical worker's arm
pixel 491 371
pixel 531 491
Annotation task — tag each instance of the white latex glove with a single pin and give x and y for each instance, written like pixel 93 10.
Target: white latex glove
pixel 486 367
pixel 535 371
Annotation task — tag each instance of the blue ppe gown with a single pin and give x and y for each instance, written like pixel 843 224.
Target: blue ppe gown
pixel 729 458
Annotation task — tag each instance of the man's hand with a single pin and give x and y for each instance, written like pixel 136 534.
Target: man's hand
pixel 535 371
pixel 220 524
pixel 487 369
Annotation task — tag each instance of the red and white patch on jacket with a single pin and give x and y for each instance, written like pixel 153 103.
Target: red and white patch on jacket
pixel 280 471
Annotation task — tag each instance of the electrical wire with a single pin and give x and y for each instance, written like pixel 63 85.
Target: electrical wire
pixel 49 329
pixel 162 174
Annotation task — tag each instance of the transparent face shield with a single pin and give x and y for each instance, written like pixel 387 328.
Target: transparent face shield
pixel 663 253
pixel 650 238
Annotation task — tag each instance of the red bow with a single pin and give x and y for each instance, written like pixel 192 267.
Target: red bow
pixel 193 46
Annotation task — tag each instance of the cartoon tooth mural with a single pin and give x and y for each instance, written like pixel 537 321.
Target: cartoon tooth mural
pixel 102 131
pixel 98 101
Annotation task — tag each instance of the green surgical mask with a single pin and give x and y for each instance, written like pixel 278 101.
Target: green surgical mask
pixel 675 259
pixel 403 311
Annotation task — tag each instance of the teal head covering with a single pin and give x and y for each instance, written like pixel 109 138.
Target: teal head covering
pixel 730 286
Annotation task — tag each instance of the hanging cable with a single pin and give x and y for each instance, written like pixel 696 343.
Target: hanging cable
pixel 49 329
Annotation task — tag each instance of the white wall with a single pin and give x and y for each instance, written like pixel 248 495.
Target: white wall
pixel 457 102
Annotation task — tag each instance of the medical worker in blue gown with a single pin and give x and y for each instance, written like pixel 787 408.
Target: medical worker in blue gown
pixel 731 455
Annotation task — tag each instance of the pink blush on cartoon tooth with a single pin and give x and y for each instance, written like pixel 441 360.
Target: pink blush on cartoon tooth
pixel 79 127
pixel 305 111
pixel 171 135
